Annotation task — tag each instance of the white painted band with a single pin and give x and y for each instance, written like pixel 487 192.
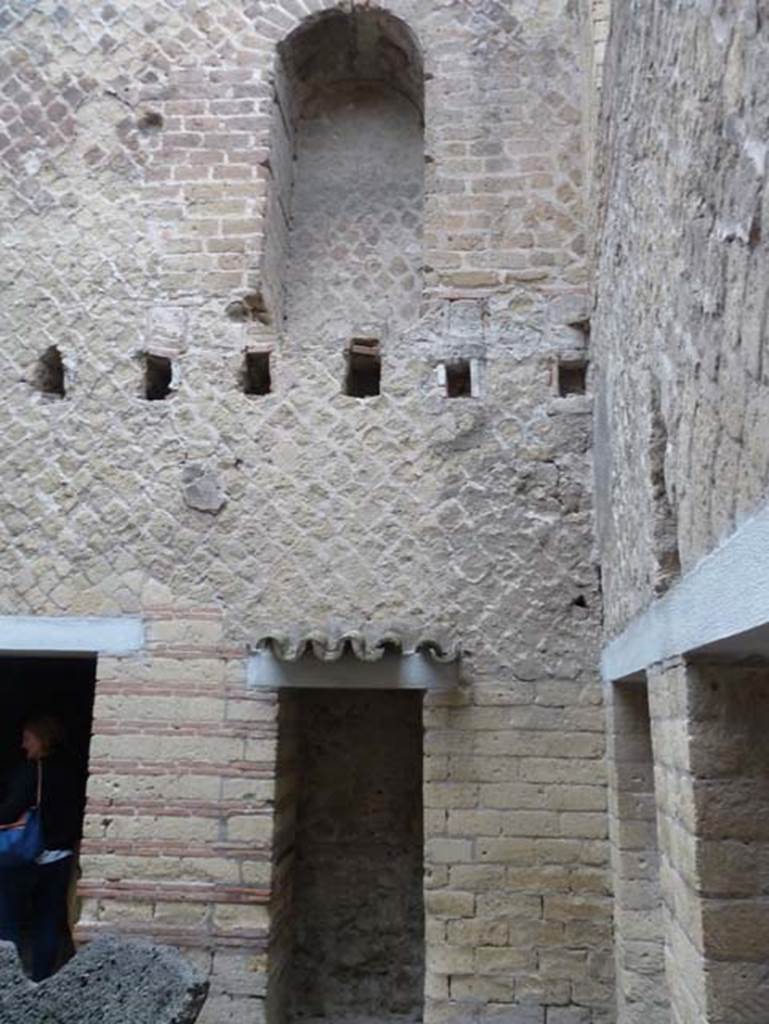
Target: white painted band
pixel 33 634
pixel 726 594
pixel 392 672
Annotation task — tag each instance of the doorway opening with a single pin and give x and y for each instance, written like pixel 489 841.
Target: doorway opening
pixel 357 936
pixel 61 687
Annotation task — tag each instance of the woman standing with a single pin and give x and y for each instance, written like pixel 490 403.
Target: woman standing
pixel 37 892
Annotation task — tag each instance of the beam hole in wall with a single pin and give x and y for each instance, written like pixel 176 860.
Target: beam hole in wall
pixel 49 373
pixel 572 377
pixel 150 120
pixel 157 377
pixel 62 687
pixel 250 307
pixel 584 327
pixel 364 368
pixel 459 379
pixel 255 376
pixel 350 764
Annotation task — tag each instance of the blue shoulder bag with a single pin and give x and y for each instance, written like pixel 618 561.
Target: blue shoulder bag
pixel 22 842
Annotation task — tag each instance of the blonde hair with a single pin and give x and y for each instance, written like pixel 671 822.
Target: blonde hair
pixel 48 730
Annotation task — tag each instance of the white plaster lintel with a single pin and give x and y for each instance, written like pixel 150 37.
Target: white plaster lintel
pixel 33 634
pixel 726 594
pixel 392 672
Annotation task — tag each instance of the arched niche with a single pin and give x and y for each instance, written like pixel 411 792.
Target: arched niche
pixel 344 221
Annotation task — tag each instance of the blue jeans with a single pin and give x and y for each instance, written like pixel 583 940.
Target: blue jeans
pixel 36 895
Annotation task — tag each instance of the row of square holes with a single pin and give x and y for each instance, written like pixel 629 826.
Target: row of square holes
pixel 362 379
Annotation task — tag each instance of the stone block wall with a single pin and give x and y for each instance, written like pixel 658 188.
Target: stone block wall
pixel 708 723
pixel 282 902
pixel 678 331
pixel 688 806
pixel 642 993
pixel 518 906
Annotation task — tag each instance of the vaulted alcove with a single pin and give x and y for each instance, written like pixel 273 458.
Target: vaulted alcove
pixel 343 234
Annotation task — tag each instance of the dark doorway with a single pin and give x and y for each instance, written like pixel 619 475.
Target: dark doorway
pixel 58 686
pixel 31 687
pixel 358 908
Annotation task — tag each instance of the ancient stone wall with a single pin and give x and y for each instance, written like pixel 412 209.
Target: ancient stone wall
pixel 678 332
pixel 143 172
pixel 678 336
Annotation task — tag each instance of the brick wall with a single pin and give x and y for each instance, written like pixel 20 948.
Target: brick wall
pixel 707 722
pixel 179 827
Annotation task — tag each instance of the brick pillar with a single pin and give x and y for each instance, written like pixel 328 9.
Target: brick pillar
pixel 710 726
pixel 642 996
pixel 518 914
pixel 179 821
pixel 283 852
pixel 679 882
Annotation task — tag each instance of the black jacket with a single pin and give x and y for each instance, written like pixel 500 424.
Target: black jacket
pixel 62 801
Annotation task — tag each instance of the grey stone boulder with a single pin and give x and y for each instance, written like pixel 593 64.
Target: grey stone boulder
pixel 110 981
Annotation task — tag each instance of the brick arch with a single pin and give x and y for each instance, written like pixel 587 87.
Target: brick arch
pixel 275 20
pixel 312 55
pixel 398 31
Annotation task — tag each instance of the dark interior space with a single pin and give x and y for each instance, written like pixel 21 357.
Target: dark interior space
pixel 49 377
pixel 255 375
pixel 459 382
pixel 572 377
pixel 33 687
pixel 158 374
pixel 364 369
pixel 358 873
pixel 58 686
